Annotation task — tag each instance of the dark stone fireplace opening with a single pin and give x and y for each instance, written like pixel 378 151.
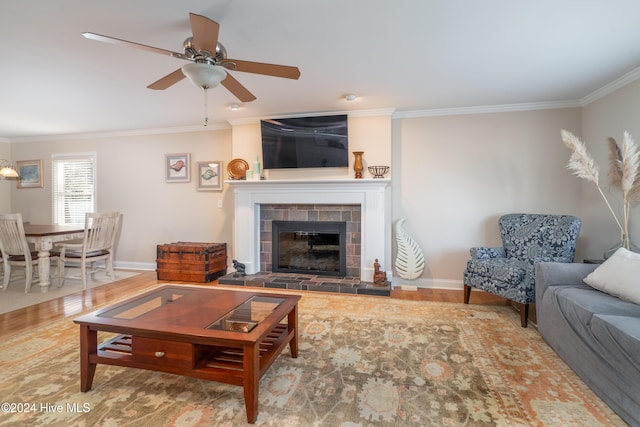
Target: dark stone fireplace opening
pixel 310 247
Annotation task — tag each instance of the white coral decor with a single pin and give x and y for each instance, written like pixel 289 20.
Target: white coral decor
pixel 409 259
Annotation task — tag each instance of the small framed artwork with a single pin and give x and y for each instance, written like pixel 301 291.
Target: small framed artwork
pixel 177 167
pixel 30 172
pixel 210 176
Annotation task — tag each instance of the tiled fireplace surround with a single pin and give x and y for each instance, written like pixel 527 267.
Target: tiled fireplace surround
pixel 347 213
pixel 363 203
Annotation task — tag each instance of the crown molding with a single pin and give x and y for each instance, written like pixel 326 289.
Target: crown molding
pixel 582 102
pixel 124 133
pixel 630 77
pixel 484 109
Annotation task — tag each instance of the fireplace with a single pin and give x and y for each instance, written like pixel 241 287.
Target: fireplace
pixel 372 201
pixel 309 247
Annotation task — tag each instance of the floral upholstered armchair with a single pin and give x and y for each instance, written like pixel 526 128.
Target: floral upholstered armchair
pixel 508 271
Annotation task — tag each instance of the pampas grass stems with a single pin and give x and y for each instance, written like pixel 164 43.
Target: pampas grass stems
pixel 615 171
pixel 624 173
pixel 629 167
pixel 629 164
pixel 615 156
pixel 583 166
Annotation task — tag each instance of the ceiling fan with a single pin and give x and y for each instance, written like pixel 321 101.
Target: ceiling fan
pixel 209 62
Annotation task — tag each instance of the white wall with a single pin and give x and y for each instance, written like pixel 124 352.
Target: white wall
pixel 5 185
pixel 131 179
pixel 454 176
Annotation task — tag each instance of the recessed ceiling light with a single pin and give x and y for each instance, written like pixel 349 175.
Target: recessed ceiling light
pixel 350 97
pixel 234 107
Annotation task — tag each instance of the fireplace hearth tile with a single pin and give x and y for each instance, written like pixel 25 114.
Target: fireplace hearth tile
pixel 345 285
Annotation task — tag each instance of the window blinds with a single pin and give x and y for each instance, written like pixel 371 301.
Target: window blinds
pixel 73 187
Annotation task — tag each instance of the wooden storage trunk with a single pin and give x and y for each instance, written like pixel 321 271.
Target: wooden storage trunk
pixel 191 261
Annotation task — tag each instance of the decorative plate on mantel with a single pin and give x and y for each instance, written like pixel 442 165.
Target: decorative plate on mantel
pixel 237 168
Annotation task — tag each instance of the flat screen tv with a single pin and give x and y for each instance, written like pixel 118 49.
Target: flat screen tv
pixel 305 142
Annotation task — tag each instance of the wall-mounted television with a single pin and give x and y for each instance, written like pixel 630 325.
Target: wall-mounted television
pixel 305 142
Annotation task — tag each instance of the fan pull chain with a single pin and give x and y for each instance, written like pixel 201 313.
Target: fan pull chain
pixel 206 109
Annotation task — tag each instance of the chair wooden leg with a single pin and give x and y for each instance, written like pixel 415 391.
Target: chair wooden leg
pixel 524 315
pixel 7 276
pixel 60 272
pixel 28 271
pixel 83 272
pixel 92 271
pixel 467 293
pixel 109 267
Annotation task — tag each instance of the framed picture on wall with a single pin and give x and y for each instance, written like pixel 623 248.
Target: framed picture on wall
pixel 210 176
pixel 177 167
pixel 30 172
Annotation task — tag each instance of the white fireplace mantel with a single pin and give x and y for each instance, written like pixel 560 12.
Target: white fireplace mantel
pixel 373 196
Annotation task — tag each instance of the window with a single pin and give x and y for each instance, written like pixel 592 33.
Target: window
pixel 73 187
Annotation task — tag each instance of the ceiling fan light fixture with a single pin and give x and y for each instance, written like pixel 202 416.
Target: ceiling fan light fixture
pixel 203 75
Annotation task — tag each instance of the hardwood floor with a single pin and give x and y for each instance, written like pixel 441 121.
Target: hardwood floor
pixel 70 305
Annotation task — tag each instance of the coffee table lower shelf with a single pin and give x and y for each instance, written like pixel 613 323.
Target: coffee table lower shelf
pixel 243 365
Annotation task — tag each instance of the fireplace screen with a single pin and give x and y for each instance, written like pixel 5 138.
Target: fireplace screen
pixel 310 247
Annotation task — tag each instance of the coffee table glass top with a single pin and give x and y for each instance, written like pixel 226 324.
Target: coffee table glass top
pixel 246 316
pixel 145 304
pixel 242 318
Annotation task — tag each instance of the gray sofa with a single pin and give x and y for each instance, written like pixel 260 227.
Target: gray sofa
pixel 596 334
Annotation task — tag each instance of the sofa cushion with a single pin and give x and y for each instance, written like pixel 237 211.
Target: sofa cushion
pixel 618 276
pixel 585 301
pixel 621 335
pixel 506 270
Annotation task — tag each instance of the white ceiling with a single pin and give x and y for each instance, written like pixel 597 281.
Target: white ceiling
pixel 405 55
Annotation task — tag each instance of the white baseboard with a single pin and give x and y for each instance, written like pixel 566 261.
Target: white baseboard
pixel 396 282
pixel 127 265
pixel 427 283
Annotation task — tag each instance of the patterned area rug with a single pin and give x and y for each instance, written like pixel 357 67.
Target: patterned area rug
pixel 364 361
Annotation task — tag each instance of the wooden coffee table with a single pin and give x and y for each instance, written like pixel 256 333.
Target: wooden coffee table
pixel 219 335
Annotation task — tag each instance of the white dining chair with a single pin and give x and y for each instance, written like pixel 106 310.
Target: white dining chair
pixel 98 244
pixel 16 251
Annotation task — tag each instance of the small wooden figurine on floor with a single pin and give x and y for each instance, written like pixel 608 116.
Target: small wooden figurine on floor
pixel 239 269
pixel 379 277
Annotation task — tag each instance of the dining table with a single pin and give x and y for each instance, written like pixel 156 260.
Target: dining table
pixel 44 236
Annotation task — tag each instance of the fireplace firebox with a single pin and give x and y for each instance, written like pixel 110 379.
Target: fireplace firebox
pixel 310 247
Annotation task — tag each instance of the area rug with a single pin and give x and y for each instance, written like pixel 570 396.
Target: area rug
pixel 363 361
pixel 15 297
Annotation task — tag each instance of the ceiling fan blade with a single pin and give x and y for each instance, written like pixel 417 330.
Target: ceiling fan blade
pixel 205 33
pixel 274 70
pixel 236 88
pixel 168 80
pixel 113 40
